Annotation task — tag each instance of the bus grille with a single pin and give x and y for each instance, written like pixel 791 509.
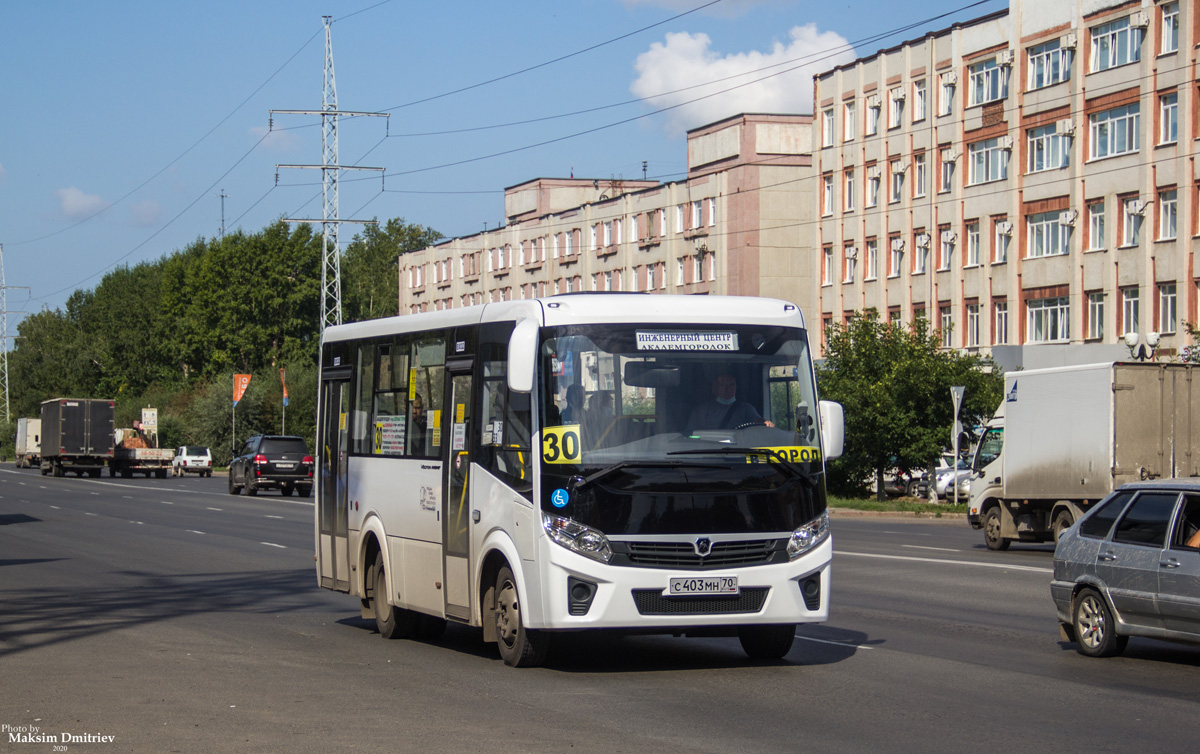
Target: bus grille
pixel 683 554
pixel 652 602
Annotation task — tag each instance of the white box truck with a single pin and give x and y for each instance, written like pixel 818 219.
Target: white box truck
pixel 29 443
pixel 1064 438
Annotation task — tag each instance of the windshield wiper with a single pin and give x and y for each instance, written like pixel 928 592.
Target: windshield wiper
pixel 772 457
pixel 578 482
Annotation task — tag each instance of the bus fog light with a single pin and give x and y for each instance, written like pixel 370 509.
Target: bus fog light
pixel 578 538
pixel 808 536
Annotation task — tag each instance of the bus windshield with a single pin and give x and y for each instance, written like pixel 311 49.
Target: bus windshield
pixel 628 408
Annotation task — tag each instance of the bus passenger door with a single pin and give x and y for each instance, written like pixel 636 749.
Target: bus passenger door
pixel 332 447
pixel 456 502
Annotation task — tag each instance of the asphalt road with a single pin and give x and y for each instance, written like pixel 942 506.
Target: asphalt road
pixel 174 617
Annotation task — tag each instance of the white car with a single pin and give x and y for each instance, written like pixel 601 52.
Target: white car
pixel 192 459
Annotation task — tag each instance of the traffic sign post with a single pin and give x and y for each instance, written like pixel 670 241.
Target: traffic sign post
pixel 956 395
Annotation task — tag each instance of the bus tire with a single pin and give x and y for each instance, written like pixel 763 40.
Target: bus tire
pixel 392 622
pixel 767 642
pixel 519 647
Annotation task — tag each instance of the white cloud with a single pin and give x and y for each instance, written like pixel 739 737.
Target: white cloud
pixel 686 60
pixel 276 139
pixel 75 204
pixel 145 213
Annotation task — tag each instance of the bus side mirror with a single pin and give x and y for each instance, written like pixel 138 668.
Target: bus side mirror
pixel 833 429
pixel 522 356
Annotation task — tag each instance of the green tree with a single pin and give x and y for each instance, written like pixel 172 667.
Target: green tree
pixel 370 269
pixel 894 385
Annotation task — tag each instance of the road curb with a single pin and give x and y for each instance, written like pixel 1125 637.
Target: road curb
pixel 932 515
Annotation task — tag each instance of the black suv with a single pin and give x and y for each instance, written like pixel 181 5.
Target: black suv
pixel 272 462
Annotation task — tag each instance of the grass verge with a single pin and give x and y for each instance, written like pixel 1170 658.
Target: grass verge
pixel 895 505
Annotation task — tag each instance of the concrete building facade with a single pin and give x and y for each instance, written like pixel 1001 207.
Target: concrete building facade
pixel 735 226
pixel 1026 180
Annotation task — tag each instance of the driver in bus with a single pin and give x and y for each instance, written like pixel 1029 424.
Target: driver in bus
pixel 724 411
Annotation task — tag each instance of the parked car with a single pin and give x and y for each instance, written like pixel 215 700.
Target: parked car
pixel 279 462
pixel 944 480
pixel 192 459
pixel 1131 567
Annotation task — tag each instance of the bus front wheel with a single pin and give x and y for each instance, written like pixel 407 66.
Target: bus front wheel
pixel 519 647
pixel 767 642
pixel 392 622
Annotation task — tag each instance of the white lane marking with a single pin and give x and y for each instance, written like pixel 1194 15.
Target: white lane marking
pixel 193 531
pixel 278 517
pixel 939 549
pixel 90 514
pixel 1001 566
pixel 139 523
pixel 214 509
pixel 272 544
pixel 127 497
pixel 845 644
pixel 55 507
pixel 167 502
pixel 95 493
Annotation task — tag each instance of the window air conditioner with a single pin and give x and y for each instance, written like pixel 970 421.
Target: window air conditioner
pixel 1138 207
pixel 873 171
pixel 922 240
pixel 851 252
pixel 949 236
pixel 1005 57
pixel 1006 142
pixel 1067 217
pixel 1064 127
pixel 1139 20
pixel 873 100
pixel 897 93
pixel 1004 228
pixel 950 77
pixel 1069 41
pixel 900 167
pixel 897 244
pixel 951 155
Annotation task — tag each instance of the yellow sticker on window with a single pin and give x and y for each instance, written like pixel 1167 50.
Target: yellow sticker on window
pixel 460 410
pixel 412 384
pixel 793 454
pixel 561 444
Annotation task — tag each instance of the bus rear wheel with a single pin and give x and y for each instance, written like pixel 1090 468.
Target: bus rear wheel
pixel 767 642
pixel 519 647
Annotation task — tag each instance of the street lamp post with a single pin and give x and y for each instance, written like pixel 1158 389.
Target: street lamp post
pixel 1141 352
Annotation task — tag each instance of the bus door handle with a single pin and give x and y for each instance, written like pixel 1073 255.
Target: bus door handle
pixel 475 516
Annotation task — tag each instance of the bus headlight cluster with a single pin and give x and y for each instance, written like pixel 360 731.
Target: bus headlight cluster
pixel 808 536
pixel 578 538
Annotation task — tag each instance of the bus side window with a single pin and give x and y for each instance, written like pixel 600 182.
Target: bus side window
pixel 504 431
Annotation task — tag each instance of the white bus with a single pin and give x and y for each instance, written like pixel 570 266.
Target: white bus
pixel 539 466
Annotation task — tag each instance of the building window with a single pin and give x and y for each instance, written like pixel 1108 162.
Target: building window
pixel 848 190
pixel 848 256
pixel 918 108
pixel 872 197
pixel 872 118
pixel 1049 64
pixel 697 214
pixel 827 128
pixel 1130 310
pixel 594 237
pixel 1047 236
pixel 1167 312
pixel 988 81
pixel 947 173
pixel 1048 149
pixel 1095 225
pixel 1003 239
pixel 897 257
pixel 697 268
pixel 946 88
pixel 972 325
pixel 650 270
pixel 1000 336
pixel 1168 118
pixel 871 263
pixel 608 233
pixel 920 252
pixel 1115 131
pixel 1115 43
pixel 679 217
pixel 1049 319
pixel 919 174
pixel 946 249
pixel 827 265
pixel 947 319
pixel 1095 327
pixel 897 170
pixel 1133 210
pixel 712 212
pixel 895 107
pixel 1170 27
pixel 989 161
pixel 973 243
pixel 1167 214
pixel 848 123
pixel 827 195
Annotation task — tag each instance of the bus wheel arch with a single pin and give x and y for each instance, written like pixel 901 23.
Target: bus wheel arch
pixel 520 647
pixel 488 572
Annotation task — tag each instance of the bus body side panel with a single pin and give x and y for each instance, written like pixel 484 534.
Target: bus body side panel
pixel 508 523
pixel 406 492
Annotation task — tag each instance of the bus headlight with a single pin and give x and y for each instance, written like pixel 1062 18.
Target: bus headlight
pixel 578 538
pixel 808 536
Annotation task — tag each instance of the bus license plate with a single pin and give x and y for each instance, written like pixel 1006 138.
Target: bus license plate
pixel 688 586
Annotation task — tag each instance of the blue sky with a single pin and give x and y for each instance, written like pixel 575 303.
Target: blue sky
pixel 123 121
